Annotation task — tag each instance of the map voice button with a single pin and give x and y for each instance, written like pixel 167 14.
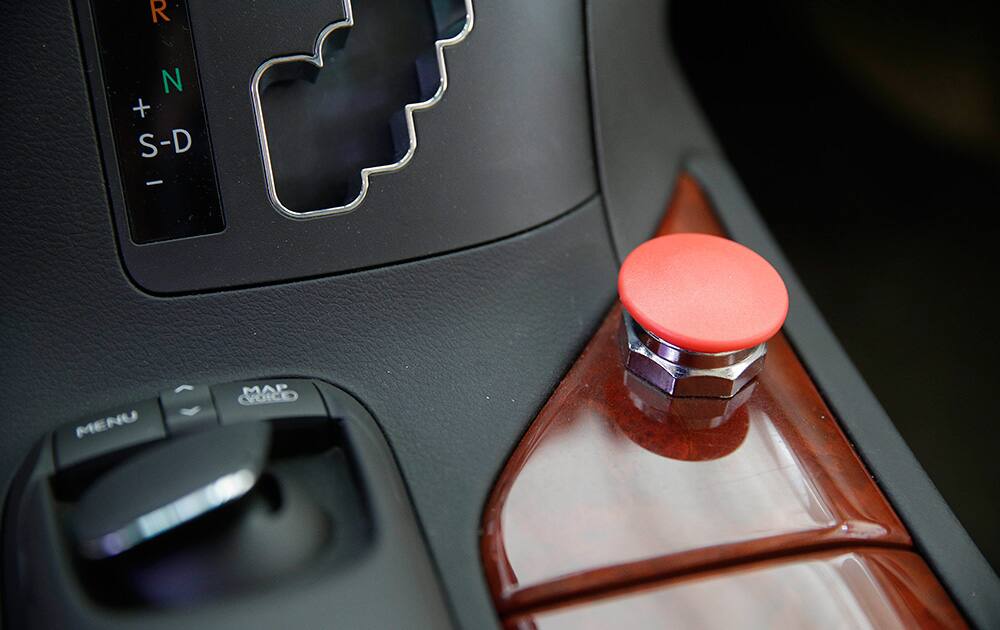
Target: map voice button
pixel 245 401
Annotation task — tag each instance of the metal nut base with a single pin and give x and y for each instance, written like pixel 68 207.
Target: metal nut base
pixel 681 373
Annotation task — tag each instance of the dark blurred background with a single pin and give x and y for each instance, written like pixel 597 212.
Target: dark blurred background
pixel 868 134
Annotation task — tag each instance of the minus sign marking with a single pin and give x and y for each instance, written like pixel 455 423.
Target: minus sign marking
pixel 154 182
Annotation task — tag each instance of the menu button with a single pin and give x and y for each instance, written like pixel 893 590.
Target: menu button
pixel 107 432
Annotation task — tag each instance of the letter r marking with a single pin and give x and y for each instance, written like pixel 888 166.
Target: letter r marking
pixel 157 8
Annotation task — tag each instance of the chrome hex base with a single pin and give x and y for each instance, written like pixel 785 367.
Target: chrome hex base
pixel 679 372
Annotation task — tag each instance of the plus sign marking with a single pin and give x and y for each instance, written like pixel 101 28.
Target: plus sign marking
pixel 141 108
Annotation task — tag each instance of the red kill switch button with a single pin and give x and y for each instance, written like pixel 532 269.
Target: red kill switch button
pixel 700 308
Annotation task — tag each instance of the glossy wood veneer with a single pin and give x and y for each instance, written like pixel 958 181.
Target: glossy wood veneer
pixel 615 483
pixel 873 588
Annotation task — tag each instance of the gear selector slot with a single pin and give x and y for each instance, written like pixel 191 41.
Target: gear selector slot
pixel 329 121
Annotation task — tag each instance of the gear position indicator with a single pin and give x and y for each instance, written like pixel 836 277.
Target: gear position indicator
pixel 161 135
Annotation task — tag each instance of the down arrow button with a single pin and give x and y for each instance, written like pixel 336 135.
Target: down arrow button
pixel 188 408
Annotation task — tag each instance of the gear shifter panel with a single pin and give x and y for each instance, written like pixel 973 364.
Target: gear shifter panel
pixel 292 139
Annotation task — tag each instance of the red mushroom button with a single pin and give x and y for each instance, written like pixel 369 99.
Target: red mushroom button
pixel 703 293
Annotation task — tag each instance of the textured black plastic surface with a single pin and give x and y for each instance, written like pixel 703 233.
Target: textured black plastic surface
pixel 453 355
pixel 645 117
pixel 507 148
pixel 939 535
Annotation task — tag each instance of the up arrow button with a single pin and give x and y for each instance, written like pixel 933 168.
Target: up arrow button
pixel 188 408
